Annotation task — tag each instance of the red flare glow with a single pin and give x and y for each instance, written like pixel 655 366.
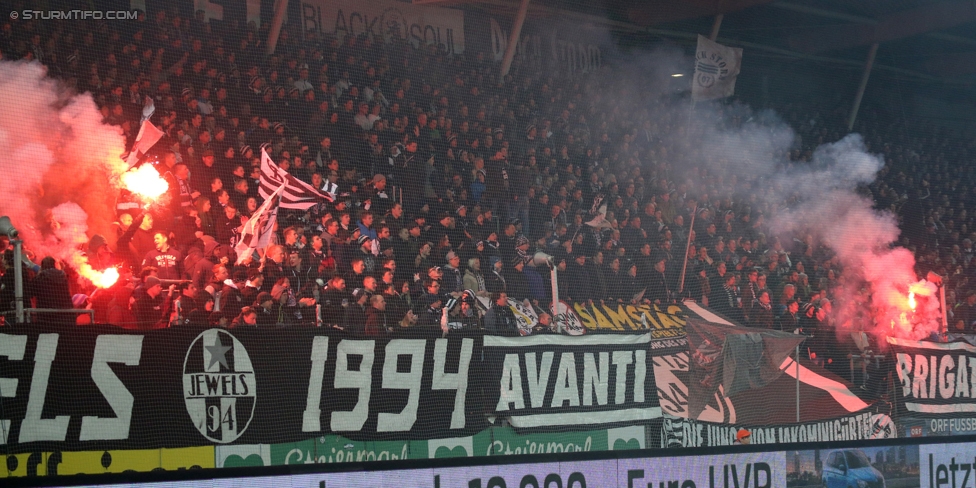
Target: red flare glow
pixel 911 301
pixel 101 279
pixel 145 182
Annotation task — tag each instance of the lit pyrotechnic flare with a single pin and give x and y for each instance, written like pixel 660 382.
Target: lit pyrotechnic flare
pixel 911 317
pixel 145 182
pixel 101 279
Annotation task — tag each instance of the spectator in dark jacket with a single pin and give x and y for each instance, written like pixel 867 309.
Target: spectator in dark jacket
pixel 500 320
pixel 50 288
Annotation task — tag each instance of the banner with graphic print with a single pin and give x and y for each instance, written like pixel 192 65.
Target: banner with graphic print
pixel 934 379
pixel 106 388
pixel 716 68
pixel 661 321
pixel 822 395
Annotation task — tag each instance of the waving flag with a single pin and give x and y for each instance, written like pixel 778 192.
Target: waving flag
pixel 297 194
pixel 148 136
pixel 258 229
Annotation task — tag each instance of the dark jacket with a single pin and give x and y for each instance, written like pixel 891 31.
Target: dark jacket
pixel 500 320
pixel 376 323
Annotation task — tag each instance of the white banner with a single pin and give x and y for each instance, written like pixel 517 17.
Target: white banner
pixel 419 25
pixel 947 465
pixel 716 67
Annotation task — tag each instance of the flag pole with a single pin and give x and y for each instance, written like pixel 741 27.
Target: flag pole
pixel 797 383
pixel 684 265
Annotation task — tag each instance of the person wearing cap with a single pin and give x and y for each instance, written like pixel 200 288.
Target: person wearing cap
pixel 202 308
pixel 517 285
pixel 743 437
pixel 151 306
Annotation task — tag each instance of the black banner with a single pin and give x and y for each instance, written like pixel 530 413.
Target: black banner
pixel 679 432
pixel 935 379
pixel 105 388
pixel 558 381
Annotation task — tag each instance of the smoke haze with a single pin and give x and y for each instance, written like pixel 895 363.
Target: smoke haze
pixel 732 151
pixel 60 163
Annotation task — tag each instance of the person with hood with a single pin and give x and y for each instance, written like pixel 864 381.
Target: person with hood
pixel 213 253
pixel 100 256
pixel 495 281
pixel 473 279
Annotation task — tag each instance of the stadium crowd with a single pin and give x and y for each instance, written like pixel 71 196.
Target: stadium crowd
pixel 450 180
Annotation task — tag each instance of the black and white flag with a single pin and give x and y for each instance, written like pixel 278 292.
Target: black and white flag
pixel 297 194
pixel 257 232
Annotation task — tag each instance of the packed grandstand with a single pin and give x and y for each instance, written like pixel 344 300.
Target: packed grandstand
pixel 360 187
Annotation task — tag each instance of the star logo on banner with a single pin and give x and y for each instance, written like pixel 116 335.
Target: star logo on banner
pixel 218 353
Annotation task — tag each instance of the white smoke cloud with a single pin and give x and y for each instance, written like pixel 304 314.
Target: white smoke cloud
pixel 725 147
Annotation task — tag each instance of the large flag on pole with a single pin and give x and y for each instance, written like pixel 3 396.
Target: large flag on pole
pixel 716 67
pixel 297 194
pixel 148 136
pixel 258 229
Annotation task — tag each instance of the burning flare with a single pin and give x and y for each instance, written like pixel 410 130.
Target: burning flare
pixel 911 301
pixel 101 279
pixel 145 182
